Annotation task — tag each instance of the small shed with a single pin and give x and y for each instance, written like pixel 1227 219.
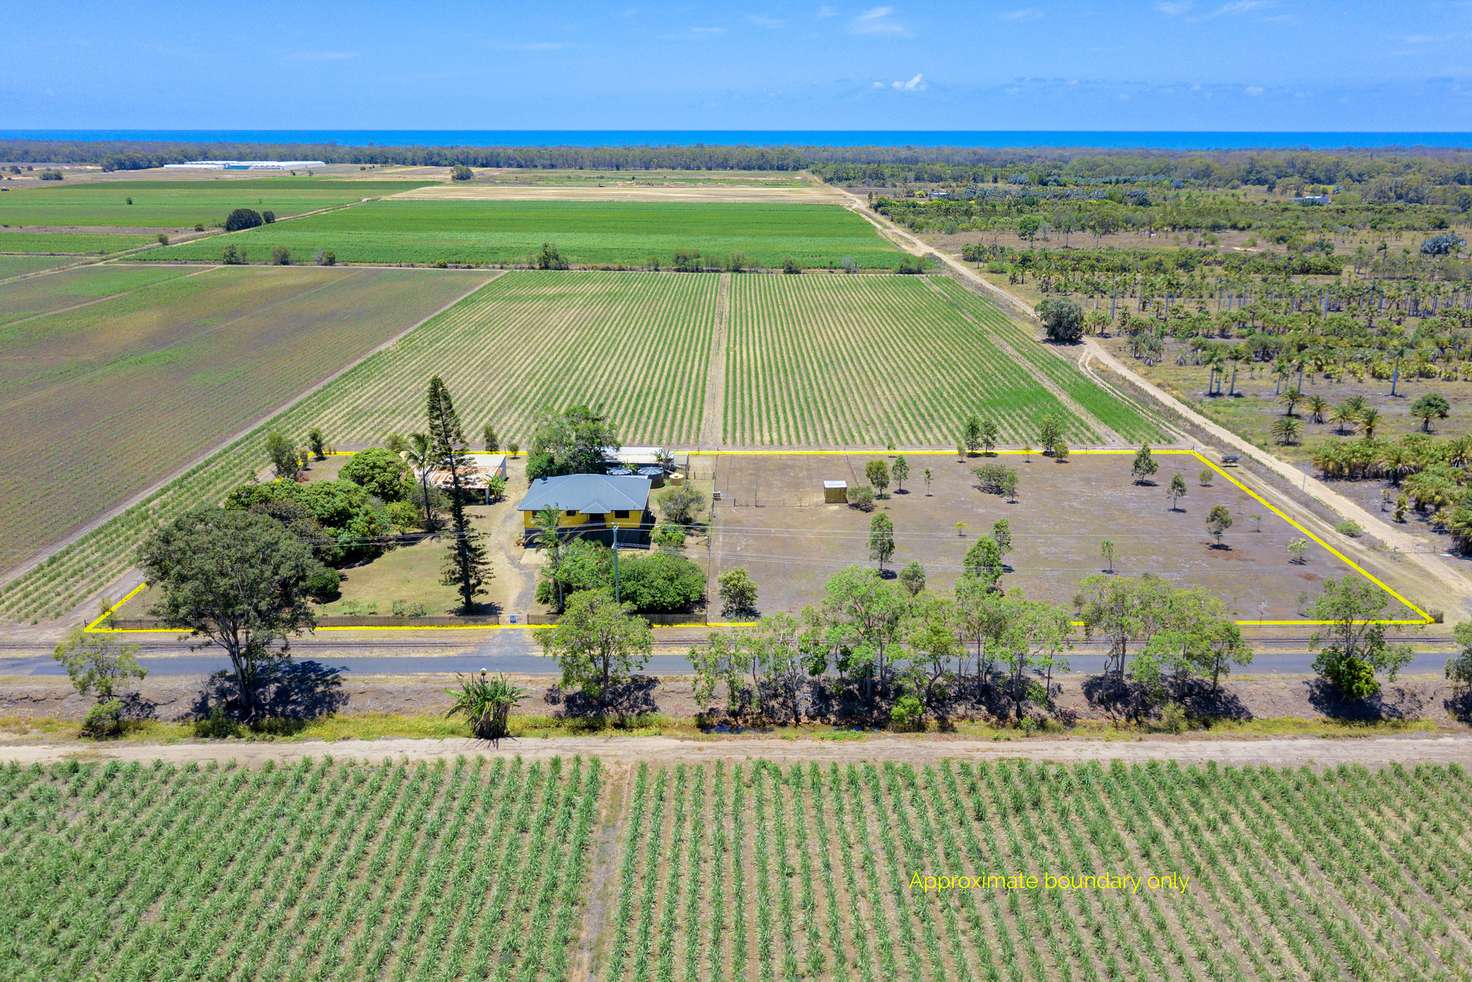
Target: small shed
pixel 835 492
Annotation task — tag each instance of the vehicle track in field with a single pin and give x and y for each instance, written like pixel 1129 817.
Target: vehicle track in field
pixel 712 429
pixel 1312 752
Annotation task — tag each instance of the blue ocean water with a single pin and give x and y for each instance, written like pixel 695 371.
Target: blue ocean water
pixel 1115 139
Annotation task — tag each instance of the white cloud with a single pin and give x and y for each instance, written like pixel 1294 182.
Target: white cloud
pixel 1023 13
pixel 878 22
pixel 915 83
pixel 1254 91
pixel 826 10
pixel 1173 8
pixel 1237 7
pixel 762 20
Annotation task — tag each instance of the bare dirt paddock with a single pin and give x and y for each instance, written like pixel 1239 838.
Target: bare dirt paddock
pixel 772 520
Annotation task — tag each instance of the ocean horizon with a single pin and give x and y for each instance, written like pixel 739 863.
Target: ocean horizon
pixel 982 139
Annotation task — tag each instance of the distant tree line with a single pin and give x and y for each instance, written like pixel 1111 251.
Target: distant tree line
pixel 1402 174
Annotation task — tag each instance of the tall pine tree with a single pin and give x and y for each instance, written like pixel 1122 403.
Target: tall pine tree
pixel 466 567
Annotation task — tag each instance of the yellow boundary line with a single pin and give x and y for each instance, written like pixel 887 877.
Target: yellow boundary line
pixel 95 627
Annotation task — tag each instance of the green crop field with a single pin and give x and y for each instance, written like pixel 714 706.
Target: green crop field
pixel 761 872
pixel 824 360
pixel 19 265
pixel 181 204
pixel 635 344
pixel 104 400
pixel 865 360
pixel 85 284
pixel 69 243
pixel 484 867
pixel 471 869
pixel 591 233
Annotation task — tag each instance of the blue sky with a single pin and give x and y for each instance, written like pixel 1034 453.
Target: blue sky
pixel 1024 64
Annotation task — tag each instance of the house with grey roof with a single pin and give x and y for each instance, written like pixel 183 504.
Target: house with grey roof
pixel 596 505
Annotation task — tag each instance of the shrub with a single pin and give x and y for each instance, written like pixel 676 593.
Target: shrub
pixel 907 714
pixel 668 537
pixel 243 218
pixel 910 266
pixel 461 173
pixel 216 726
pixel 382 473
pixel 738 593
pixel 995 478
pixel 1063 321
pixel 404 515
pixel 681 504
pixel 324 585
pixel 326 258
pixel 486 703
pixel 861 497
pixel 163 239
pixel 104 721
pixel 550 257
pixel 280 256
pixel 1349 528
pixel 660 583
pixel 233 256
pixel 268 217
pixel 789 265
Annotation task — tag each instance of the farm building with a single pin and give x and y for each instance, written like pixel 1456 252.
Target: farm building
pixel 835 492
pixel 475 475
pixel 597 505
pixel 636 457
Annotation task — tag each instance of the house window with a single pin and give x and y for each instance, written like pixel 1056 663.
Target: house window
pixel 621 514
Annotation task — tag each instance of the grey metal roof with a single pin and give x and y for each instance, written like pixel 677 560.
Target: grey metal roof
pixel 587 493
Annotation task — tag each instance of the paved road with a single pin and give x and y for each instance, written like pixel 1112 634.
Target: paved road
pixel 514 655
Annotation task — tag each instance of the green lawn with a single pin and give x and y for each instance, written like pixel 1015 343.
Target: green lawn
pixel 591 233
pixel 181 204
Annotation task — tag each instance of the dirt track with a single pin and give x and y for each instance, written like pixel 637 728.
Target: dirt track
pixel 1288 752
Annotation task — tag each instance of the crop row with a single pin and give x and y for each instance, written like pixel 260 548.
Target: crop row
pixel 115 395
pixel 756 871
pixel 1124 418
pixel 637 345
pixel 846 361
pixel 316 870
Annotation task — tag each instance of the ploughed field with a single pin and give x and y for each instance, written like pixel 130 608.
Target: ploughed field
pixel 587 233
pixel 639 345
pixel 490 866
pixel 105 399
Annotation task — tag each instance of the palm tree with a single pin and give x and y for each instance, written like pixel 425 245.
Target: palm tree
pixel 1316 408
pixel 1286 430
pixel 1290 399
pixel 420 453
pixel 1344 416
pixel 1369 419
pixel 549 537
